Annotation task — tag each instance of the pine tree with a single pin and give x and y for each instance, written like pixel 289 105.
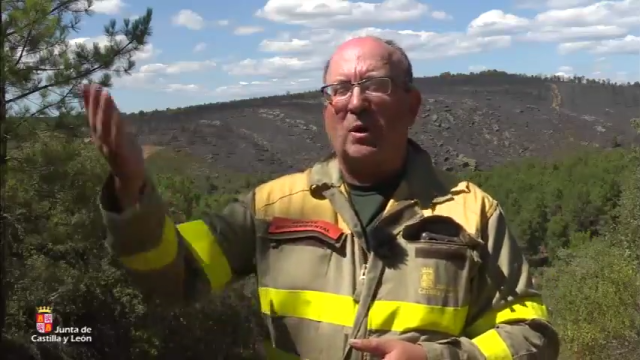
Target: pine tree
pixel 42 69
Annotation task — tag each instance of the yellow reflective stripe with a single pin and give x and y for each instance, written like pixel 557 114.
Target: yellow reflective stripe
pixel 273 353
pixel 523 310
pixel 341 309
pixel 310 305
pixel 159 257
pixel 204 247
pixel 405 316
pixel 492 346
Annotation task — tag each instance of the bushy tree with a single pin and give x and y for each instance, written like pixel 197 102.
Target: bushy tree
pixel 592 292
pixel 594 286
pixel 58 258
pixel 41 68
pixel 549 201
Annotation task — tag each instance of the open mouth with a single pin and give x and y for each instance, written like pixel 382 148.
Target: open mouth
pixel 359 129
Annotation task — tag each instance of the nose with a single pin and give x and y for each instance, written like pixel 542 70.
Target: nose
pixel 357 101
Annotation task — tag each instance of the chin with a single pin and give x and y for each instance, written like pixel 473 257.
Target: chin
pixel 359 151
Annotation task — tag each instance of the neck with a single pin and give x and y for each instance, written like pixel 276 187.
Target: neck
pixel 369 173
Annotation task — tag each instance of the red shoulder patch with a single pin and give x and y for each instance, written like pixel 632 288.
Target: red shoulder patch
pixel 280 225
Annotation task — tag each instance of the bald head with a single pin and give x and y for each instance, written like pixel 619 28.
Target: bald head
pixel 398 60
pixel 368 124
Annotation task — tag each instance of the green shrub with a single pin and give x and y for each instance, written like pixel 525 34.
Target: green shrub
pixel 548 201
pixel 582 208
pixel 58 258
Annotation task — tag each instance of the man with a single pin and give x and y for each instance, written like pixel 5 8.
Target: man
pixel 369 254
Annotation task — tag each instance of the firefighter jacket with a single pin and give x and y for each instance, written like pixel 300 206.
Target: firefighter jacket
pixel 451 277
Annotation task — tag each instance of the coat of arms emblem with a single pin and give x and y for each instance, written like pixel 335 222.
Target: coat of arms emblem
pixel 44 319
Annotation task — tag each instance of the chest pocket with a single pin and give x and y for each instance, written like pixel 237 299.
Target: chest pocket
pixel 299 252
pixel 442 254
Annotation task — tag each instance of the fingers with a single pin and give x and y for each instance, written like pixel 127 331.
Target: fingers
pixel 116 125
pixel 95 105
pixel 378 347
pixel 106 120
pixel 103 117
pixel 87 92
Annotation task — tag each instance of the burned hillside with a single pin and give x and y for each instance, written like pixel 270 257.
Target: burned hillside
pixel 466 121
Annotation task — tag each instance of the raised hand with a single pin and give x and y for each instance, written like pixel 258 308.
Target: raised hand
pixel 115 142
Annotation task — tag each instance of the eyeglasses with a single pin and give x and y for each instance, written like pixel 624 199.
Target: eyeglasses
pixel 342 90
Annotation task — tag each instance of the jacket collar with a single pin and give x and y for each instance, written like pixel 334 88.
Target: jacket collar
pixel 422 181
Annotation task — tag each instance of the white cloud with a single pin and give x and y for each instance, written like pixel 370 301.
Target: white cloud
pixel 599 27
pixel 564 4
pixel 564 34
pixel 629 45
pixel 273 67
pixel 247 30
pixel 177 67
pixel 602 16
pixel 191 88
pixel 438 44
pixel 109 7
pixel 421 44
pixel 292 59
pixel 285 45
pixel 246 89
pixel 477 68
pixel 312 45
pixel 457 44
pixel 620 13
pixel 330 13
pixel 497 22
pixel 147 52
pixel 150 81
pixel 189 19
pixel 568 48
pixel 564 75
pixel 135 80
pixel 199 47
pixel 441 15
pixel 552 4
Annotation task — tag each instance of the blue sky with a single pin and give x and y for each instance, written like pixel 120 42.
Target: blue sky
pixel 209 51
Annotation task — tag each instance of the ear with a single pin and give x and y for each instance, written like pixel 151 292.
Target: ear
pixel 415 101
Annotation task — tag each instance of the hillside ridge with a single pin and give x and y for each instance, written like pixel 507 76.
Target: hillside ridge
pixel 471 121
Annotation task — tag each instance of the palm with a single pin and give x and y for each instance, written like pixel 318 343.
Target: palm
pixel 110 135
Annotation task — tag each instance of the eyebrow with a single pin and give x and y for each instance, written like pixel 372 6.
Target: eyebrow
pixel 366 77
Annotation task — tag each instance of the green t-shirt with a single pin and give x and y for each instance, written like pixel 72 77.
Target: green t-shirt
pixel 369 202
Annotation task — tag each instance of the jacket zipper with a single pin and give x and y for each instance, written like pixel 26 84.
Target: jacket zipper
pixel 363 271
pixel 365 266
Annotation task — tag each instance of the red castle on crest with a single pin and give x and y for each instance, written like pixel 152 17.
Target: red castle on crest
pixel 44 319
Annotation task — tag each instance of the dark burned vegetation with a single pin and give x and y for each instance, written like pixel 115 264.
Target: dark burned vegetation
pixel 466 121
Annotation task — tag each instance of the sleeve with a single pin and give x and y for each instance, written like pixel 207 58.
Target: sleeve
pixel 179 263
pixel 507 318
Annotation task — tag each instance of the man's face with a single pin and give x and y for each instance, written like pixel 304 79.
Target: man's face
pixel 365 125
